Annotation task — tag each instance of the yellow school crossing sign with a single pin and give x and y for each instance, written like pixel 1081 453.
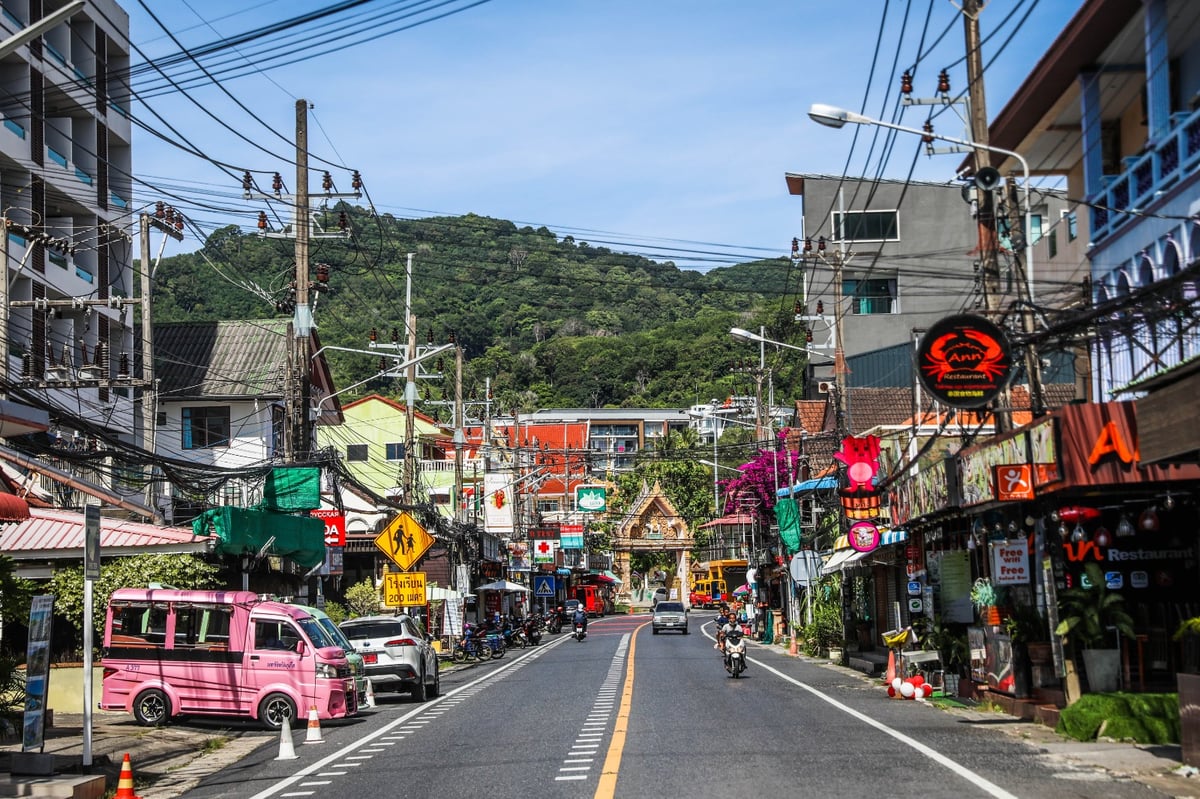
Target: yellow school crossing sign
pixel 404 541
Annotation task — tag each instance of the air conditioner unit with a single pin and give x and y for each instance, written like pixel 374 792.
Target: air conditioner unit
pixel 824 386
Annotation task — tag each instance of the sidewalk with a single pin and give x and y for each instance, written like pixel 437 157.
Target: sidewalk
pixel 1157 767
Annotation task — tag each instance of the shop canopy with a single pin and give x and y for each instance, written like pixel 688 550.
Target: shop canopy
pixel 806 486
pixel 504 587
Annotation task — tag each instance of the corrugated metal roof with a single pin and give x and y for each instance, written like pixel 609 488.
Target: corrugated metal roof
pixel 49 533
pixel 217 360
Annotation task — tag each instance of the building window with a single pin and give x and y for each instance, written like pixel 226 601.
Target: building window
pixel 1035 228
pixel 205 428
pixel 871 296
pixel 1052 243
pixel 356 452
pixel 1072 225
pixel 867 226
pixel 395 452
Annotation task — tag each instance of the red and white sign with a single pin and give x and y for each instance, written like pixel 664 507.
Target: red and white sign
pixel 335 527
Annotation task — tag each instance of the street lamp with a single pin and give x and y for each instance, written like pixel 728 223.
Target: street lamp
pixel 833 117
pixel 745 335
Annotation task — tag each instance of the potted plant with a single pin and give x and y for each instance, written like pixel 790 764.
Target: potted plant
pixel 1087 613
pixel 1028 633
pixel 983 597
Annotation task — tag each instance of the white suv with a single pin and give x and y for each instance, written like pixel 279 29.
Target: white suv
pixel 396 654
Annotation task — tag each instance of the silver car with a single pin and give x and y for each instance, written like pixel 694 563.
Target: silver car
pixel 396 653
pixel 669 616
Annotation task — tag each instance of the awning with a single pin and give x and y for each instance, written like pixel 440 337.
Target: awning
pixel 835 562
pixel 816 484
pixel 608 573
pixel 888 537
pixel 504 587
pixel 855 560
pixel 13 508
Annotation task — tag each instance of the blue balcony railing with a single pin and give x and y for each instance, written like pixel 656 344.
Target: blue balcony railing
pixel 15 127
pixel 1146 176
pixel 57 157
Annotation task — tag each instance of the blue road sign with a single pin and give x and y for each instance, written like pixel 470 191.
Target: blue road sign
pixel 543 585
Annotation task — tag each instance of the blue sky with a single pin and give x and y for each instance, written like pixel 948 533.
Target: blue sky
pixel 665 125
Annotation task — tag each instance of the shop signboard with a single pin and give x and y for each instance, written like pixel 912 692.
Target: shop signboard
pixel 964 361
pixel 1010 562
pixel 37 672
pixel 977 467
pixel 571 536
pixel 335 526
pixel 591 498
pixel 543 550
pixel 497 502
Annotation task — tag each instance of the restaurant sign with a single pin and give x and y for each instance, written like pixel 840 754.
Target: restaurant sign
pixel 965 361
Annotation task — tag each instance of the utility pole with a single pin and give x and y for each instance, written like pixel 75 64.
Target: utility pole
pixel 460 438
pixel 302 320
pixel 170 227
pixel 1020 255
pixel 298 435
pixel 410 411
pixel 986 217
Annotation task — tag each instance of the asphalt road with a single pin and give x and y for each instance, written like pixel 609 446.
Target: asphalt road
pixel 629 714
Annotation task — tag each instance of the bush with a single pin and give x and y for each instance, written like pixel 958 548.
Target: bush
pixel 1144 718
pixel 335 612
pixel 825 630
pixel 362 599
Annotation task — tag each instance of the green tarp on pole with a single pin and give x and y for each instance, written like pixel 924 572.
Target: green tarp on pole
pixel 245 531
pixel 292 488
pixel 787 513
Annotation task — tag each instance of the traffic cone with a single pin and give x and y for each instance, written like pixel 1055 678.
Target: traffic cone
pixel 891 669
pixel 125 781
pixel 313 736
pixel 287 750
pixel 370 693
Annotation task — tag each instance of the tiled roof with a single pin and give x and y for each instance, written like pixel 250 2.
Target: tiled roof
pixel 218 360
pixel 810 415
pixel 59 533
pixel 871 407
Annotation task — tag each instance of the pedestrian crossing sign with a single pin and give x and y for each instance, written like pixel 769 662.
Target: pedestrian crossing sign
pixel 543 585
pixel 404 541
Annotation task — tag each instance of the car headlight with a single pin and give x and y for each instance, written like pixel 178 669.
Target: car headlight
pixel 327 671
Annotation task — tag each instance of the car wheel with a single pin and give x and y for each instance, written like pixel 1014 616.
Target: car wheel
pixel 274 709
pixel 436 690
pixel 152 708
pixel 419 692
pixel 654 630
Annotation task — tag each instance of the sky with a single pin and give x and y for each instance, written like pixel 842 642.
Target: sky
pixel 658 126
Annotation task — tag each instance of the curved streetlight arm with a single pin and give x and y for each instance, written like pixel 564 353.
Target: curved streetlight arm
pixel 833 117
pixel 745 335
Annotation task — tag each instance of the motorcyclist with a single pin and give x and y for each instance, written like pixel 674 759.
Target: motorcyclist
pixel 579 619
pixel 722 622
pixel 731 625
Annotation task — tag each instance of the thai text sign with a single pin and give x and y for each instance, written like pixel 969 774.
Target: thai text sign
pixel 401 590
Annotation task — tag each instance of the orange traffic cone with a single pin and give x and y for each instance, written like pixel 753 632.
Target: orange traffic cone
pixel 314 727
pixel 125 781
pixel 891 669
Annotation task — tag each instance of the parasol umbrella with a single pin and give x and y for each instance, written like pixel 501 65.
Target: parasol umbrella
pixel 504 586
pixel 742 590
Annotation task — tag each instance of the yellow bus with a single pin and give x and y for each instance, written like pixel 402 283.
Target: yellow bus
pixel 717 582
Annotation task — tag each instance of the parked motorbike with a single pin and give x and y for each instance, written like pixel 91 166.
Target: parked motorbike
pixel 735 653
pixel 532 630
pixel 580 632
pixel 554 622
pixel 495 642
pixel 471 645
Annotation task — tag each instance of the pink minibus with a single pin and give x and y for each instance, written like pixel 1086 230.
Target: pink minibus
pixel 169 653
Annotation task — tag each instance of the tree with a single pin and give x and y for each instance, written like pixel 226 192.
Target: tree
pixel 15 594
pixel 761 477
pixel 176 571
pixel 362 599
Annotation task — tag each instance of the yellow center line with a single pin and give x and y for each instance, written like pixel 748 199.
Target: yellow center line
pixel 607 787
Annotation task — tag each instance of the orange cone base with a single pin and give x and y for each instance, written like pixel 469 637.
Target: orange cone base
pixel 125 781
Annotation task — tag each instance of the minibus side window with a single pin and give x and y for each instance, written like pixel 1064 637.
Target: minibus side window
pixel 140 625
pixel 275 635
pixel 202 627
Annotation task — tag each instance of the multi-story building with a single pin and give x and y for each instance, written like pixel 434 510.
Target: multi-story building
pixel 910 257
pixel 1113 107
pixel 65 159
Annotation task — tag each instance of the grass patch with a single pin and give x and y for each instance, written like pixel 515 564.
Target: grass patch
pixel 1141 718
pixel 211 745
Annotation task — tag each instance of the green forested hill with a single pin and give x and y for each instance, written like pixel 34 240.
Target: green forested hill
pixel 552 323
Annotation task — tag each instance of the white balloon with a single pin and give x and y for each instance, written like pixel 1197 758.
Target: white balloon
pixel 919 693
pixel 897 682
pixel 907 690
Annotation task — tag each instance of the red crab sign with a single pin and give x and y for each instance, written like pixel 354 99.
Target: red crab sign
pixel 964 361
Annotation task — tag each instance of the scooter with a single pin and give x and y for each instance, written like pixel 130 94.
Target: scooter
pixel 735 653
pixel 580 632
